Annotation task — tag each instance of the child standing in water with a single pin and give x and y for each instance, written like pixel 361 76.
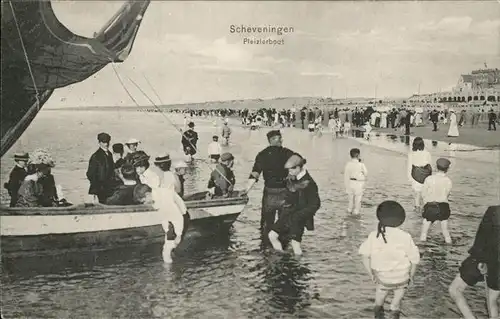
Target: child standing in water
pixel 355 174
pixel 390 257
pixel 435 192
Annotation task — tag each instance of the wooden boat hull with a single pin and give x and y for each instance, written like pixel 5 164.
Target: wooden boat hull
pixel 93 227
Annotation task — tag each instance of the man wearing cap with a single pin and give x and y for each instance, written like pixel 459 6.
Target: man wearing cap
pixel 301 204
pixel 271 163
pixel 17 176
pixel 132 145
pixel 189 140
pixel 100 171
pixel 222 178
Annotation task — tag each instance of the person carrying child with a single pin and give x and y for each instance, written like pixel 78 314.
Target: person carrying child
pixel 301 204
pixel 390 257
pixel 435 192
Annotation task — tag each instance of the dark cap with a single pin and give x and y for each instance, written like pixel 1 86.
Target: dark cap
pixel 391 213
pixel 226 157
pixel 118 148
pixel 191 124
pixel 21 157
pixel 294 161
pixel 273 133
pixel 443 163
pixel 103 137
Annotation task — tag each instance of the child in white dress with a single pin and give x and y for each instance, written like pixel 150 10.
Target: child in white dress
pixel 390 257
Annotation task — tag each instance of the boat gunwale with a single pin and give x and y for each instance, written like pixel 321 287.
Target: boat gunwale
pixel 96 209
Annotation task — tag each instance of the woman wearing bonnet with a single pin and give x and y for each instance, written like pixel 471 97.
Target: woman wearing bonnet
pixel 31 192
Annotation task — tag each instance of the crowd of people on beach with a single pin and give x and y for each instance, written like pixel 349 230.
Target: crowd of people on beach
pixel 340 120
pixel 290 197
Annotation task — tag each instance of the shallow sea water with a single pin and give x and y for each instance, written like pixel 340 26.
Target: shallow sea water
pixel 232 277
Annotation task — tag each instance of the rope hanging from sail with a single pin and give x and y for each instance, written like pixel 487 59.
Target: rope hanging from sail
pixel 160 111
pixel 37 96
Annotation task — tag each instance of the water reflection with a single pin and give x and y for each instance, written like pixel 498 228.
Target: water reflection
pixel 286 281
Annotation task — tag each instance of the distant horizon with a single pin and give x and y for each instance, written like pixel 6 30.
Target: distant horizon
pixel 194 52
pixel 233 100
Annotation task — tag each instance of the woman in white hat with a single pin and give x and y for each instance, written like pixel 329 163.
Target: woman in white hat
pixel 132 146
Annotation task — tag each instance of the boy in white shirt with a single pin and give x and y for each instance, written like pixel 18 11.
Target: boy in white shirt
pixel 355 174
pixel 214 149
pixel 390 257
pixel 435 192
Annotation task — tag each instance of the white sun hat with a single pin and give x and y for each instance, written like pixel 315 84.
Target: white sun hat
pixel 133 141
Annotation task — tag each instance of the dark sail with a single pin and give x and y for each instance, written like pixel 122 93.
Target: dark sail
pixel 39 54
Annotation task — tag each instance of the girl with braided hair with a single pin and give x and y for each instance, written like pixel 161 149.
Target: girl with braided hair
pixel 390 257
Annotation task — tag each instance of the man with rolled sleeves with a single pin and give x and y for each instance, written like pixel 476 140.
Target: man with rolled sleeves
pixel 271 163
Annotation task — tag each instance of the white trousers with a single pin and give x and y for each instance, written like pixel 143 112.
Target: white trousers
pixel 355 191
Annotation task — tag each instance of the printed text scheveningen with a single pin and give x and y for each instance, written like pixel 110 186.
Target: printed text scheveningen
pixel 279 30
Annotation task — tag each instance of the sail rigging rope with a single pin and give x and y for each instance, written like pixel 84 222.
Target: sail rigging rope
pixel 160 111
pixel 37 94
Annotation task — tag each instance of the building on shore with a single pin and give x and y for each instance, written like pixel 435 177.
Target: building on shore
pixel 478 87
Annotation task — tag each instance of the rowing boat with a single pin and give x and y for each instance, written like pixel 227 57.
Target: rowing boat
pixel 96 226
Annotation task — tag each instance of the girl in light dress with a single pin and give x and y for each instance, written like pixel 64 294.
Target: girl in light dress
pixel 453 130
pixel 390 257
pixel 419 168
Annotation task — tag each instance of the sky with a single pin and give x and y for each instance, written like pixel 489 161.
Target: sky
pixel 338 49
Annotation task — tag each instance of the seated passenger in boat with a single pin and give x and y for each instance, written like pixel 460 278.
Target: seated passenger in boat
pixel 180 171
pixel 146 174
pixel 132 146
pixel 17 176
pixel 118 155
pixel 222 180
pixel 124 194
pixel 31 192
pixel 50 191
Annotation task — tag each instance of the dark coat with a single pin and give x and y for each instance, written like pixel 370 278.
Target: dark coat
pixel 100 173
pixel 16 178
pixel 303 199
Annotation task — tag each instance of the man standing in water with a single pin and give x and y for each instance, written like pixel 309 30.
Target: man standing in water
pixel 271 163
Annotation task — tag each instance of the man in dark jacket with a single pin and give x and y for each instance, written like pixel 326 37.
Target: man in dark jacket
pixel 17 176
pixel 492 118
pixel 100 171
pixel 434 119
pixel 270 162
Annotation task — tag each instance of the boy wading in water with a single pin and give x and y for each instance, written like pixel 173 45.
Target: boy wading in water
pixel 301 204
pixel 435 192
pixel 355 174
pixel 482 263
pixel 390 257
